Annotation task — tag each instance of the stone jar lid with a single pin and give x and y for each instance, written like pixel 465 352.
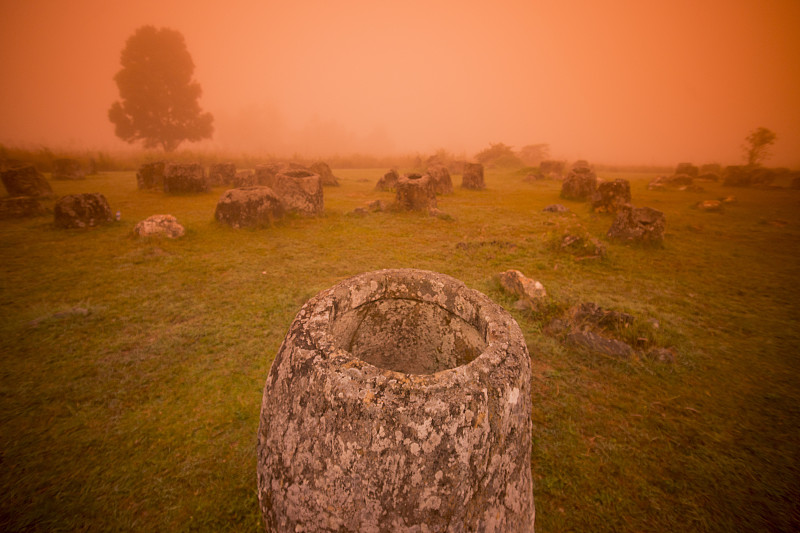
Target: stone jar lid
pixel 399 399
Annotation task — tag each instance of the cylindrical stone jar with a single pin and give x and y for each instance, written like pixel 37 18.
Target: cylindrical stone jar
pixel 398 401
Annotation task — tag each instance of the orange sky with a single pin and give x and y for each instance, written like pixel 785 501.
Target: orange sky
pixel 617 81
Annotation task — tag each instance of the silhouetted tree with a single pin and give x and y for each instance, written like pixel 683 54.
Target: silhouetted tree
pixel 757 145
pixel 498 155
pixel 158 95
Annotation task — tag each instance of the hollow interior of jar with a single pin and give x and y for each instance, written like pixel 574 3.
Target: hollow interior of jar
pixel 407 335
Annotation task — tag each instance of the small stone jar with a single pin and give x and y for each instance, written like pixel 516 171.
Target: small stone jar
pixel 398 401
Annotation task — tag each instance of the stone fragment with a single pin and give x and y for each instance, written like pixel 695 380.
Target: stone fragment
pixel 642 225
pixel 472 178
pixel 300 191
pixel 82 210
pixel 610 195
pixel 20 207
pixel 67 169
pixel 400 400
pixel 151 175
pixel 712 206
pixel 185 178
pixel 579 242
pixel 388 182
pixel 594 342
pixel 589 313
pixel 376 205
pixel 221 174
pixel 325 174
pixel 244 207
pixel 531 293
pixel 556 208
pixel 415 193
pixel 161 226
pixel 438 213
pixel 26 181
pixel 579 184
pixel 442 183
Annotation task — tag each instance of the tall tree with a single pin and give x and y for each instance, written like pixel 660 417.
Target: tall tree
pixel 757 145
pixel 158 97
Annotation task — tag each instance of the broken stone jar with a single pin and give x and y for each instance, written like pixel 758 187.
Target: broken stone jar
pixel 398 401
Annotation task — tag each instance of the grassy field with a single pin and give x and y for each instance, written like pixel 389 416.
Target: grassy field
pixel 132 370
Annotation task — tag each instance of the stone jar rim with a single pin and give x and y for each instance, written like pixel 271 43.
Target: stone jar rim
pixel 497 328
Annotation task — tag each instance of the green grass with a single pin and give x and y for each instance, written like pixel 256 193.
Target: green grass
pixel 141 413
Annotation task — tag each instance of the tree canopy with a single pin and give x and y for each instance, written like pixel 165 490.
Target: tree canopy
pixel 158 96
pixel 757 145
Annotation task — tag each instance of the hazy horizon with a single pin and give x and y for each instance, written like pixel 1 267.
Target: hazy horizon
pixel 625 83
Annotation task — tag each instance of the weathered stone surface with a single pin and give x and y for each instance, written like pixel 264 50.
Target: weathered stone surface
pixel 255 206
pixel 643 225
pixel 579 184
pixel 244 178
pixel 20 207
pixel 325 174
pixel 472 178
pixel 552 169
pixel 594 342
pixel 185 178
pixel 26 181
pixel 442 182
pixel 398 401
pixel 376 206
pixel 151 175
pixel 300 191
pixel 415 193
pixel 578 242
pixel 221 174
pixel 388 182
pixel 82 210
pixel 67 169
pixel 611 195
pixel 556 208
pixel 530 292
pixel 161 226
pixel 266 174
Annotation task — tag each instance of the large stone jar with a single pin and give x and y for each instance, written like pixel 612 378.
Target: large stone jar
pixel 398 401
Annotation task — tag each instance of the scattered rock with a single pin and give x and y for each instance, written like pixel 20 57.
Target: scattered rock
pixel 325 174
pixel 610 195
pixel 20 207
pixel 221 174
pixel 376 415
pixel 580 183
pixel 713 206
pixel 472 178
pixel 415 193
pixel 442 183
pixel 159 225
pixel 67 169
pixel 26 181
pixel 185 178
pixel 578 242
pixel 388 182
pixel 438 213
pixel 662 355
pixel 82 210
pixel 556 208
pixel 266 174
pixel 531 293
pixel 594 342
pixel 376 206
pixel 151 175
pixel 641 225
pixel 358 212
pixel 255 206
